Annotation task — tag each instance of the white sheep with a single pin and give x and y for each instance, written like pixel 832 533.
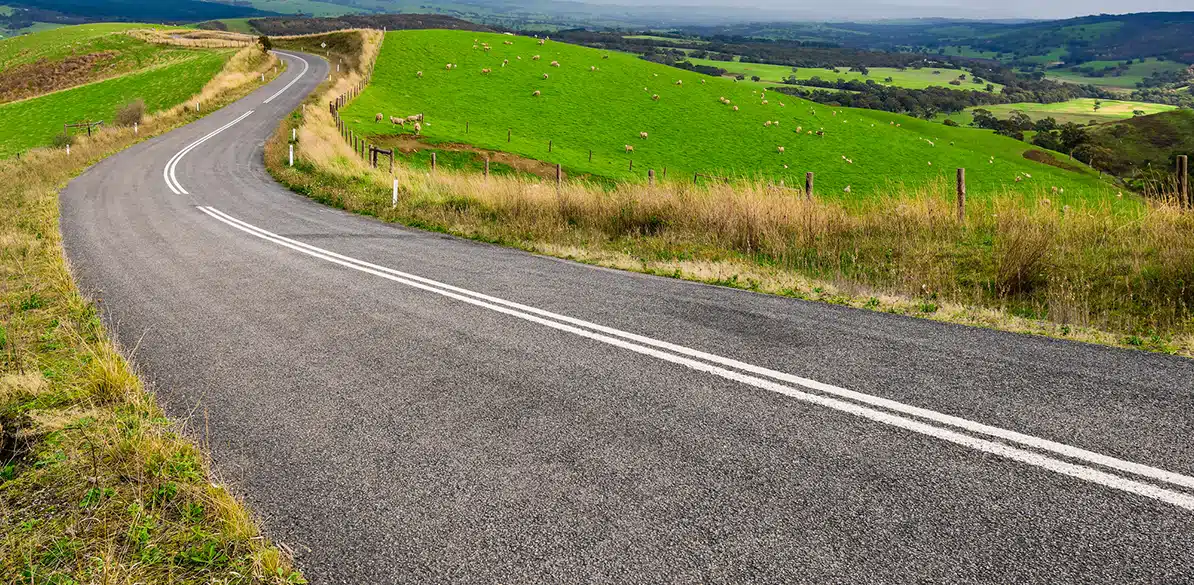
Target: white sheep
pixel 378 117
pixel 735 108
pixel 535 58
pixel 629 148
pixel 536 93
pixel 642 135
pixel 486 71
pixel 544 76
pixel 780 149
pixel 418 128
pixel 555 63
pixel 655 97
pixel 418 73
pixel 679 82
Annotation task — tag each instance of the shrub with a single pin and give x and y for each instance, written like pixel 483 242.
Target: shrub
pixel 265 43
pixel 62 140
pixel 949 122
pixel 131 113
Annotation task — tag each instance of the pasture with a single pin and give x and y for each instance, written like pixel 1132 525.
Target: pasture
pixel 34 122
pixel 1079 111
pixel 69 41
pixel 908 78
pixel 599 102
pixel 1126 80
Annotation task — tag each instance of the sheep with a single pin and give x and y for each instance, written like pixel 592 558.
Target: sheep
pixel 776 122
pixel 592 68
pixel 735 108
pixel 555 63
pixel 820 133
pixel 519 57
pixel 642 135
pixel 847 189
pixel 536 93
pixel 397 121
pixel 781 104
pixel 544 76
pixel 448 67
pixel 702 82
pixel 486 71
pixel 767 123
pixel 655 97
pixel 780 149
pixel 605 56
pixel 418 128
pixel 799 129
pixel 378 117
pixel 765 102
pixel 541 41
pixel 418 73
pixel 505 62
pixel 679 82
pixel 629 148
pixel 535 58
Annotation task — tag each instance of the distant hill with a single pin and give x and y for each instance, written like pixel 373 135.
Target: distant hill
pixel 286 25
pixel 1141 147
pixel 74 11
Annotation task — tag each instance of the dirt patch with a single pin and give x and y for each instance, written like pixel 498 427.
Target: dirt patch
pixel 408 144
pixel 1048 159
pixel 33 79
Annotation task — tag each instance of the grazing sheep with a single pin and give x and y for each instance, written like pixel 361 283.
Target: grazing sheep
pixel 799 129
pixel 592 68
pixel 820 132
pixel 642 135
pixel 847 189
pixel 519 57
pixel 767 123
pixel 535 58
pixel 679 82
pixel 780 149
pixel 781 104
pixel 544 76
pixel 702 82
pixel 418 128
pixel 735 108
pixel 536 94
pixel 505 62
pixel 629 148
pixel 765 102
pixel 655 97
pixel 395 120
pixel 555 63
pixel 776 122
pixel 486 71
pixel 378 117
pixel 541 41
pixel 448 67
pixel 418 73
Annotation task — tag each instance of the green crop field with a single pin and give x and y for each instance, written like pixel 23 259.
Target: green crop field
pixel 690 130
pixel 1127 80
pixel 33 122
pixel 908 78
pixel 1079 111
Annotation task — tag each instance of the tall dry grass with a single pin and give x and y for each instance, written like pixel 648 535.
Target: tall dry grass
pixel 196 39
pixel 97 485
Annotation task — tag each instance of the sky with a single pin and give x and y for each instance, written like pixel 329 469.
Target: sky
pixel 879 9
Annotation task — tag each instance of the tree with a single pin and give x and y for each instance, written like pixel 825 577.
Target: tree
pixel 265 43
pixel 1072 135
pixel 754 78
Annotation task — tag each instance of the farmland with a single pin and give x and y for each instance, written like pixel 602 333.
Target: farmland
pixel 33 122
pixel 1079 111
pixel 1126 80
pixel 690 130
pixel 907 78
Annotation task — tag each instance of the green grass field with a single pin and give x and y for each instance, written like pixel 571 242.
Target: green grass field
pixel 308 7
pixel 666 39
pixel 690 130
pixel 240 25
pixel 33 122
pixel 1079 111
pixel 908 78
pixel 1128 80
pixel 66 41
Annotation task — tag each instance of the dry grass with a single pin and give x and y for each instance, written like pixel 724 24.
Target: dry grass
pixel 199 39
pixel 96 485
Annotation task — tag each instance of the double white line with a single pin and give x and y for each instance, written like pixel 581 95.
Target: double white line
pixel 1041 453
pixel 306 66
pixel 172 164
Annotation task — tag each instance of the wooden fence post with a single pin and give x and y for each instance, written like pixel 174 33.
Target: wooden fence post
pixel 808 186
pixel 486 167
pixel 664 172
pixel 548 146
pixel 651 177
pixel 391 161
pixel 1183 181
pixel 961 195
pixel 559 175
pixel 590 155
pixel 632 164
pixel 694 178
pixel 433 161
pixel 466 127
pixel 507 135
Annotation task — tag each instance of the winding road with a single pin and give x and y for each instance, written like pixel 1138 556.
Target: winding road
pixel 402 406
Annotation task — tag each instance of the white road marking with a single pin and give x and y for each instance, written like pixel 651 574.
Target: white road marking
pixel 168 172
pixel 643 345
pixel 306 66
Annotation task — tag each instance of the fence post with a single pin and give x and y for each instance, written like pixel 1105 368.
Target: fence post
pixel 961 195
pixel 433 161
pixel 694 178
pixel 590 155
pixel 486 167
pixel 292 155
pixel 548 146
pixel 664 172
pixel 507 135
pixel 632 164
pixel 651 177
pixel 136 129
pixel 808 186
pixel 293 134
pixel 391 161
pixel 559 175
pixel 395 203
pixel 466 127
pixel 1183 181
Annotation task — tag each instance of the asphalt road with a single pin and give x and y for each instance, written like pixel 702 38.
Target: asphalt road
pixel 551 422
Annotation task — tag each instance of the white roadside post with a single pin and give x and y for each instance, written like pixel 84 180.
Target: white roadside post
pixel 136 130
pixel 68 150
pixel 394 204
pixel 292 155
pixel 293 134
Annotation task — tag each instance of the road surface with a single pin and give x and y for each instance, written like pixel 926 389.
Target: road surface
pixel 404 406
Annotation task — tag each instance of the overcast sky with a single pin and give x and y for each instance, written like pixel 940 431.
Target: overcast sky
pixel 875 9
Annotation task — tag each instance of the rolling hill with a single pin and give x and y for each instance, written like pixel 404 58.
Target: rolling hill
pixel 600 102
pixel 1131 147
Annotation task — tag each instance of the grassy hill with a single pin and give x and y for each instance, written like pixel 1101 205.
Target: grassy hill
pixel 1135 73
pixel 1079 111
pixel 35 68
pixel 689 130
pixel 1131 147
pixel 908 78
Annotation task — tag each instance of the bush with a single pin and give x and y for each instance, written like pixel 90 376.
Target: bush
pixel 949 122
pixel 265 43
pixel 131 113
pixel 62 140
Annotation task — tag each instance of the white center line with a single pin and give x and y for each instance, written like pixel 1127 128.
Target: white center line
pixel 168 172
pixel 306 66
pixel 651 347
